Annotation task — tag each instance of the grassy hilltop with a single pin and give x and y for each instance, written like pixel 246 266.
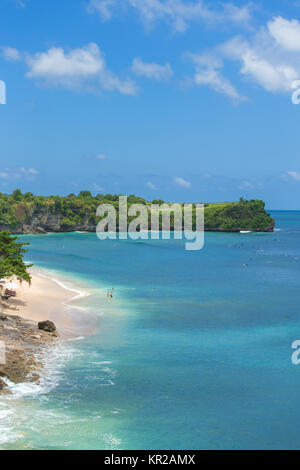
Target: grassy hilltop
pixel 26 213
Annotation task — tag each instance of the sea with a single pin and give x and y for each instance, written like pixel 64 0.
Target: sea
pixel 194 350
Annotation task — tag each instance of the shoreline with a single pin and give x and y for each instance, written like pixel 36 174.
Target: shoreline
pixel 269 229
pixel 49 299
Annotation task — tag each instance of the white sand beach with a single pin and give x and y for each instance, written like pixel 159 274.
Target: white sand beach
pixel 46 299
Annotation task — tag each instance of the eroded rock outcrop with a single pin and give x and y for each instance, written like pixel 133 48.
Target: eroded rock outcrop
pixel 22 341
pixel 47 326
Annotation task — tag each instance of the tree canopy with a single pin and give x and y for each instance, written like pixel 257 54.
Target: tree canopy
pixel 11 258
pixel 78 212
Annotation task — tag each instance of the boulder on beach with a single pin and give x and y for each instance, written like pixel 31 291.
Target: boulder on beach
pixel 47 326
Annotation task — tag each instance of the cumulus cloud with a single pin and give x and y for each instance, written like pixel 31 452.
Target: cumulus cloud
pixel 178 13
pixel 263 61
pixel 269 58
pixel 286 33
pixel 182 182
pixel 58 65
pixel 295 175
pixel 10 54
pixel 152 70
pixel 19 173
pixel 151 185
pixel 82 69
pixel 208 72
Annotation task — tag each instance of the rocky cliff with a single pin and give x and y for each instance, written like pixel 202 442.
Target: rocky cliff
pixel 43 220
pixel 26 213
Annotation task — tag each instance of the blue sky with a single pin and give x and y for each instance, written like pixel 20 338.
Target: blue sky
pixel 172 99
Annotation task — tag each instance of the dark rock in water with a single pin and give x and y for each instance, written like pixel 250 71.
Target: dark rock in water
pixel 47 326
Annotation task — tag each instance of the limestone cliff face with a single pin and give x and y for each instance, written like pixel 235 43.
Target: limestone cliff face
pixel 43 220
pixel 75 214
pixel 269 228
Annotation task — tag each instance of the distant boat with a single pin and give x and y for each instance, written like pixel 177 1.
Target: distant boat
pixel 245 231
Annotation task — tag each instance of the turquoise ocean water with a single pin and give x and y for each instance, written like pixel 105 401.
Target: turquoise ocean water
pixel 194 351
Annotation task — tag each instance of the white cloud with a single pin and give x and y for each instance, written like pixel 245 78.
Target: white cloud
pixel 295 175
pixel 103 7
pixel 82 69
pixel 152 70
pixel 263 61
pixel 182 182
pixel 151 185
pixel 28 172
pixel 99 156
pixel 111 82
pixel 96 187
pixel 11 54
pixel 270 57
pixel 19 173
pixel 19 3
pixel 286 33
pixel 208 73
pixel 179 13
pixel 271 76
pixel 58 65
pixel 246 185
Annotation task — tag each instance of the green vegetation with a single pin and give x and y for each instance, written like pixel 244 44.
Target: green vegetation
pixel 26 213
pixel 242 215
pixel 11 258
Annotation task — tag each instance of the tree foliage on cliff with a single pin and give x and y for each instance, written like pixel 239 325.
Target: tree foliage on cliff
pixel 11 258
pixel 242 215
pixel 74 212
